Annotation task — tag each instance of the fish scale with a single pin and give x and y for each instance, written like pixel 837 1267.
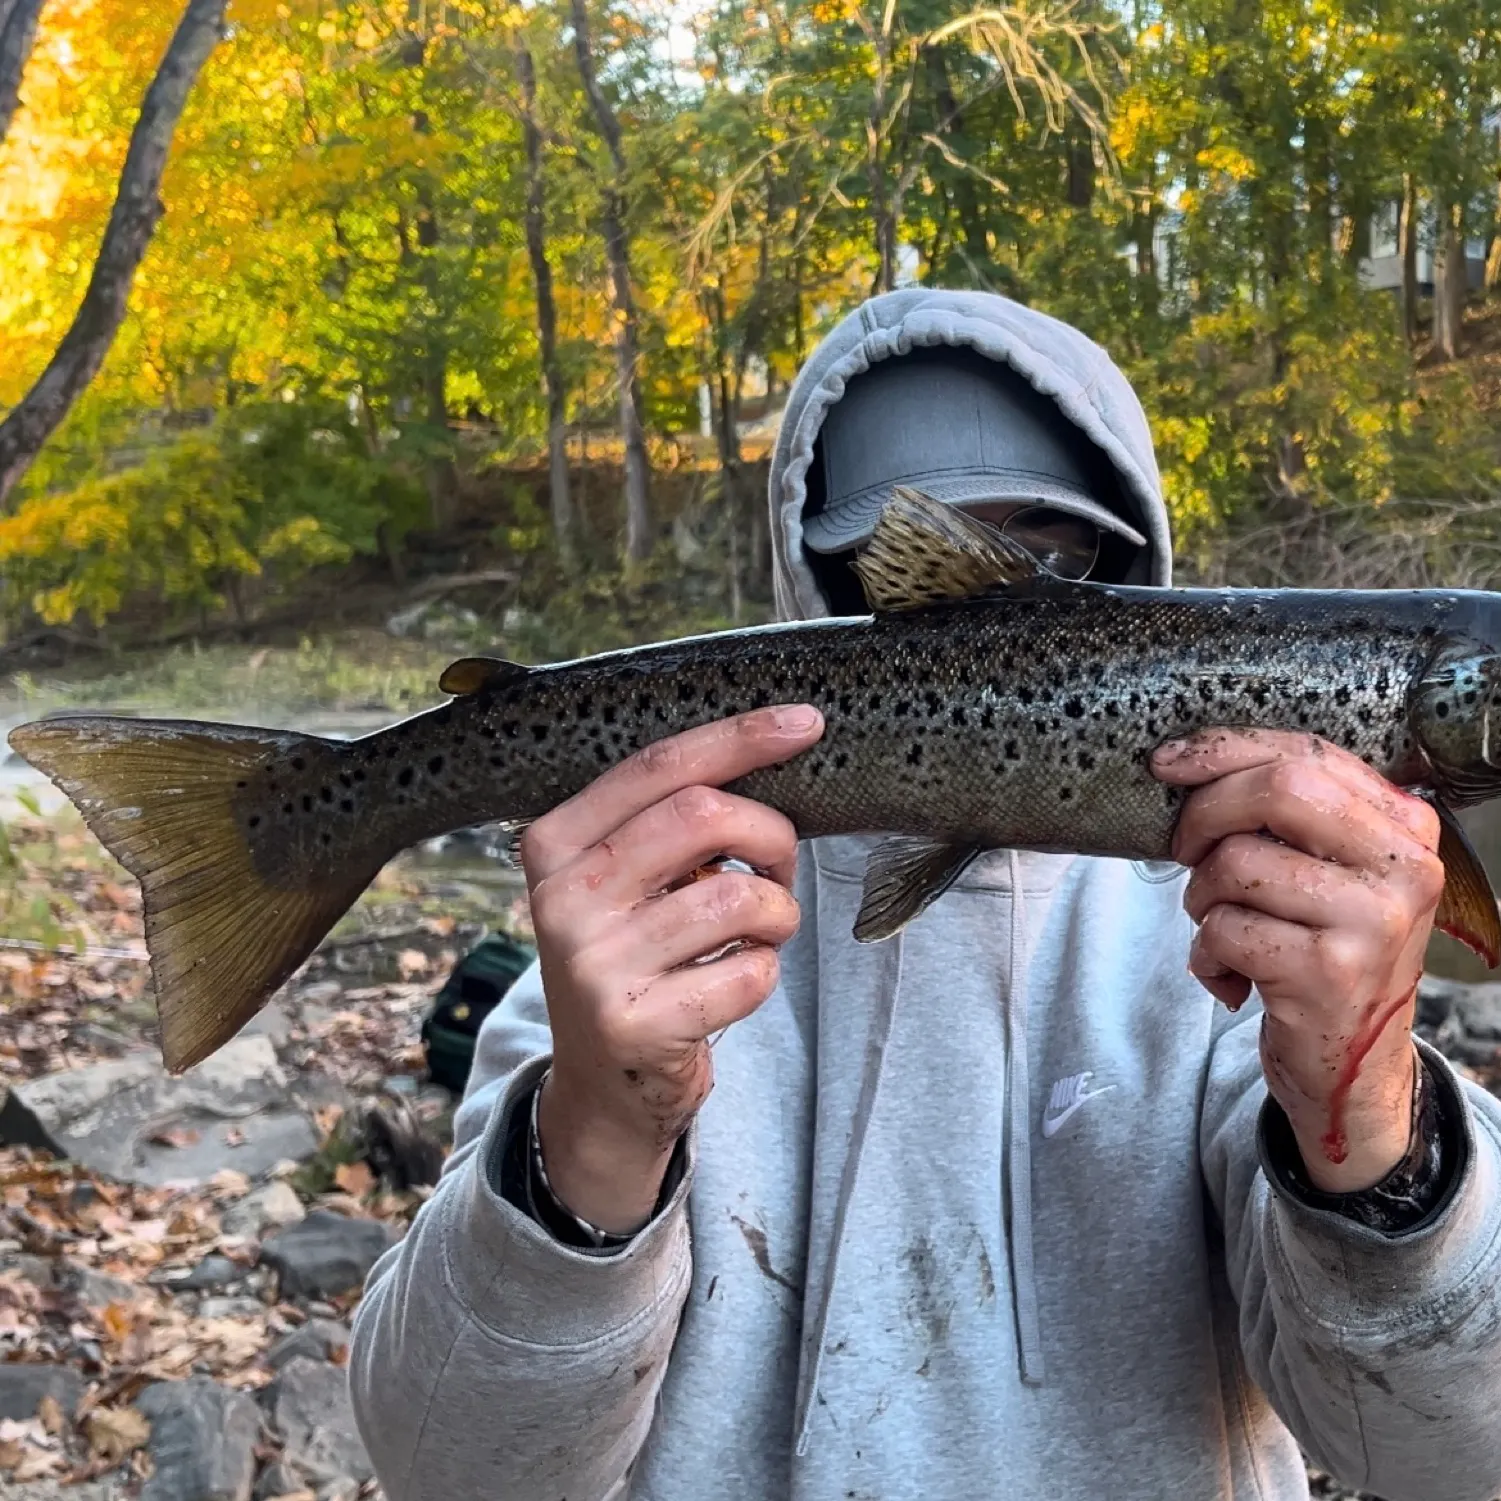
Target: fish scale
pixel 983 705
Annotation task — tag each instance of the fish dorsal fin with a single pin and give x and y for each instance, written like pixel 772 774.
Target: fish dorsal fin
pixel 470 674
pixel 925 553
pixel 1467 909
pixel 903 877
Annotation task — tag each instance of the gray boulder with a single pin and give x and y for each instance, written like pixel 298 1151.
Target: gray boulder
pixel 325 1254
pixel 203 1439
pixel 22 1387
pixel 311 1411
pixel 318 1339
pixel 266 1208
pixel 130 1119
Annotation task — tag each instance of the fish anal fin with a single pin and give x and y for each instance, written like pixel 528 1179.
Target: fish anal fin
pixel 925 553
pixel 175 803
pixel 470 674
pixel 1467 910
pixel 903 877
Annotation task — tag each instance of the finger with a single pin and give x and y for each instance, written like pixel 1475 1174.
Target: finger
pixel 673 930
pixel 690 1005
pixel 1300 803
pixel 1278 880
pixel 708 755
pixel 1266 951
pixel 1210 754
pixel 674 837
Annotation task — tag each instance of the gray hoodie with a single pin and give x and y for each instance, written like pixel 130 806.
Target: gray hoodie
pixel 976 1214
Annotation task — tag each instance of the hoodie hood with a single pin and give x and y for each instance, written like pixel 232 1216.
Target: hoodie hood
pixel 1056 359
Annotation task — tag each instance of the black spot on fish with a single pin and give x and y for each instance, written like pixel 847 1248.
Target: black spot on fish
pixel 1013 753
pixel 608 713
pixel 243 785
pixel 404 777
pixel 307 804
pixel 1065 793
pixel 957 716
pixel 345 780
pixel 254 821
pixel 441 715
pixel 298 763
pixel 286 808
pixel 841 760
pixel 1342 694
pixel 359 775
pixel 327 837
pixel 1024 694
pixel 914 756
pixel 539 733
pixel 347 804
pixel 326 793
pixel 1085 761
pixel 1074 708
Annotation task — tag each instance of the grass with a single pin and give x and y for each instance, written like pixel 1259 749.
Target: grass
pixel 349 672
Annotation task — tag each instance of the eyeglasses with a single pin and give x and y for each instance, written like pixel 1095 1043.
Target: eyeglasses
pixel 1068 546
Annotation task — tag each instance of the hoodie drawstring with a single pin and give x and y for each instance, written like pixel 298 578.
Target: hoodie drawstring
pixel 1018 1155
pixel 875 1067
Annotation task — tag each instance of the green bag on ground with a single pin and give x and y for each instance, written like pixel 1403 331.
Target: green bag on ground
pixel 468 996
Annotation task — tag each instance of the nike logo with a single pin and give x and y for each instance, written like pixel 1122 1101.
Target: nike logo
pixel 1068 1096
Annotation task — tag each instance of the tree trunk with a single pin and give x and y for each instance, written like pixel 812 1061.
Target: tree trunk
pixel 547 314
pixel 1407 244
pixel 638 531
pixel 18 20
pixel 131 223
pixel 1450 282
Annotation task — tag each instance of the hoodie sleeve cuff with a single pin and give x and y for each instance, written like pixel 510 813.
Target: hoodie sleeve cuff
pixel 523 1282
pixel 1355 1276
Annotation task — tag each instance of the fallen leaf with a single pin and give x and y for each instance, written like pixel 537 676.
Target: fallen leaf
pixel 177 1136
pixel 11 1453
pixel 37 1463
pixel 49 1414
pixel 230 1182
pixel 354 1178
pixel 411 963
pixel 114 1431
pixel 441 926
pixel 234 1137
pixel 118 1320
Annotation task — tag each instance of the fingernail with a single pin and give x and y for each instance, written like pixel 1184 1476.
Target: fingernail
pixel 796 718
pixel 1170 750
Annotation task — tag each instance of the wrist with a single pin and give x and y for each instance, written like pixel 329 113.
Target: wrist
pixel 1376 1131
pixel 600 1171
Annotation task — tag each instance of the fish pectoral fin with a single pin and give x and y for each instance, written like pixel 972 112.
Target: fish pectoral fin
pixel 470 674
pixel 1467 910
pixel 925 553
pixel 903 877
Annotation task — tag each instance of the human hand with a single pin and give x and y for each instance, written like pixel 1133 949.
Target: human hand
pixel 1330 925
pixel 630 1010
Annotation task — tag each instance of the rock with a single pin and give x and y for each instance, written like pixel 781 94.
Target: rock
pixel 57 1490
pixel 310 1408
pixel 23 1386
pixel 322 993
pixel 96 1290
pixel 270 1021
pixel 213 1274
pixel 277 1479
pixel 342 1489
pixel 1462 1021
pixel 1479 1012
pixel 203 1439
pixel 120 1118
pixel 318 1339
pixel 231 1308
pixel 325 1254
pixel 267 1208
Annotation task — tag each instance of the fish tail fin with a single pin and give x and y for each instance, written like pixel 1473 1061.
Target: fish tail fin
pixel 176 803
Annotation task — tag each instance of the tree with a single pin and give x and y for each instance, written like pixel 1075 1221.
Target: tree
pixel 18 21
pixel 135 214
pixel 547 313
pixel 638 530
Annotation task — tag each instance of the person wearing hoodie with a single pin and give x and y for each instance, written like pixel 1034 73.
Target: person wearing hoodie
pixel 1035 1199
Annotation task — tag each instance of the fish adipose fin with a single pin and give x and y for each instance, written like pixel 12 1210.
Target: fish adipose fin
pixel 903 877
pixel 175 803
pixel 925 553
pixel 1467 910
pixel 470 674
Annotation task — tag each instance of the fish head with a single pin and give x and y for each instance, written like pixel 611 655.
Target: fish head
pixel 1454 715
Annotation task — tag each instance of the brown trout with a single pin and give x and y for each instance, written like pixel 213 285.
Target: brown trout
pixel 984 704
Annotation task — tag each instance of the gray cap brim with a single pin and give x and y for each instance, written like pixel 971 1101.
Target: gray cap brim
pixel 852 520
